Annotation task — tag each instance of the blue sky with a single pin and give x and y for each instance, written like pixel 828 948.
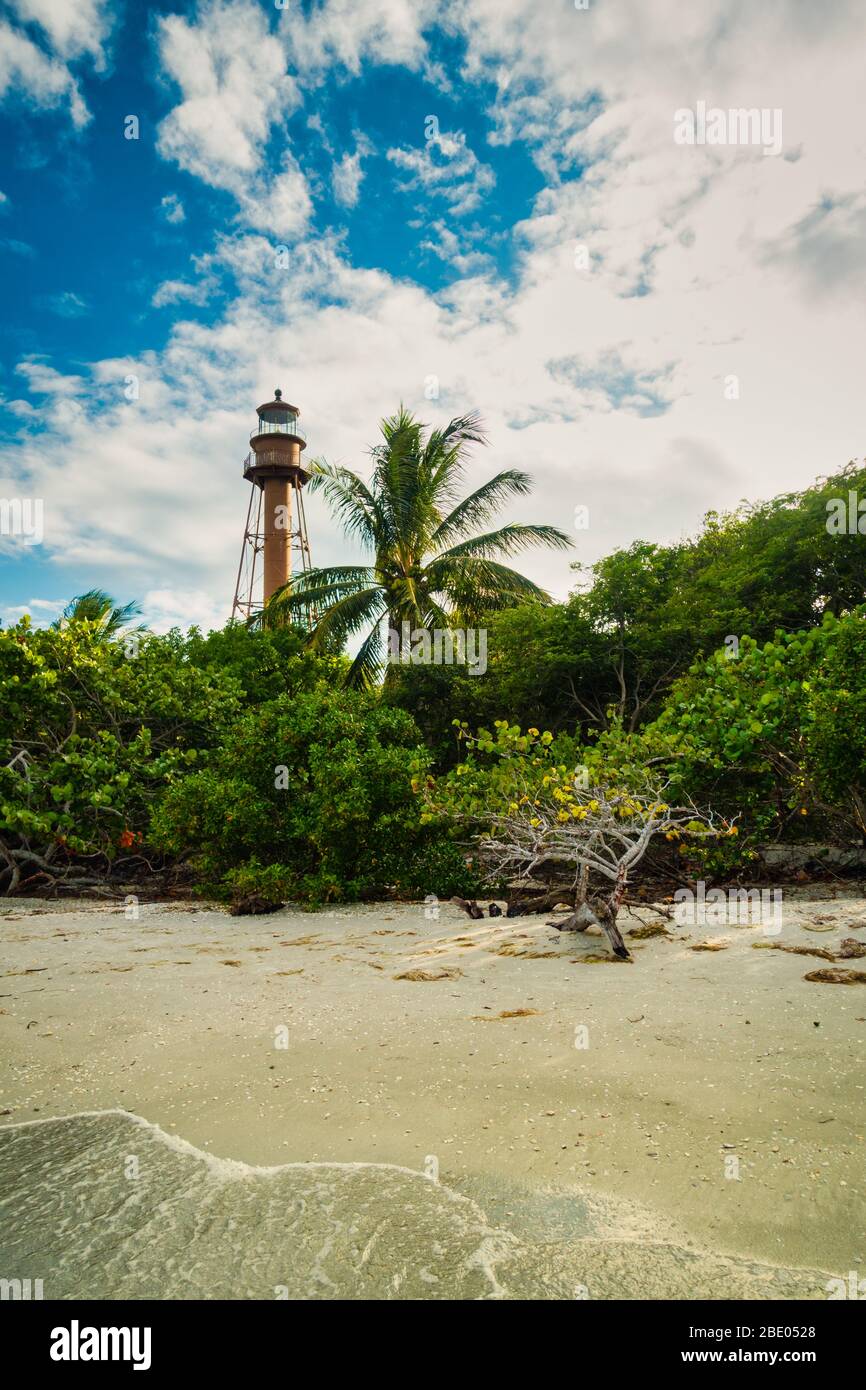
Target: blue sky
pixel 111 231
pixel 484 196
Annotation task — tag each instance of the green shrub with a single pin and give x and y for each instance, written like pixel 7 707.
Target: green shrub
pixel 439 866
pixel 776 733
pixel 320 785
pixel 89 735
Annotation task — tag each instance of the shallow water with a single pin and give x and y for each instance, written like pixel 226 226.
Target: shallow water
pixel 107 1205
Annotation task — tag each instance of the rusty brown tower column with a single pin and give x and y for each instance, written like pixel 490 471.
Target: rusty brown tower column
pixel 275 518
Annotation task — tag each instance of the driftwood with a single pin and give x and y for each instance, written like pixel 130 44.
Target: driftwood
pixel 24 873
pixel 470 908
pixel 587 911
pixel 542 902
pixel 597 911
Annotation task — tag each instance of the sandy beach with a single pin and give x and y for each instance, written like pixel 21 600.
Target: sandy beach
pixel 690 1124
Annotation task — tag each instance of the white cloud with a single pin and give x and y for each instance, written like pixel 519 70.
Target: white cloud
pixel 234 86
pixel 346 33
pixel 172 208
pixel 597 90
pixel 27 72
pixel 448 247
pixel 347 175
pixel 71 30
pixel 281 206
pixel 445 167
pixel 181 291
pixel 44 380
pixel 824 249
pixel 66 304
pixel 42 611
pixel 346 180
pixel 72 27
pixel 163 609
pixel 615 380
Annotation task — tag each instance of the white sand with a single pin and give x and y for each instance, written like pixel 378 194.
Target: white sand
pixel 693 1059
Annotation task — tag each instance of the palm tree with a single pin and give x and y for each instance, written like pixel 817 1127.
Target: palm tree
pixel 427 567
pixel 96 606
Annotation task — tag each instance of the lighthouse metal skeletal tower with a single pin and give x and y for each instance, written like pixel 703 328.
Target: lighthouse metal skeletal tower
pixel 275 529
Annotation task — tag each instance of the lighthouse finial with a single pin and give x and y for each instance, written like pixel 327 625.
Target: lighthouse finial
pixel 278 395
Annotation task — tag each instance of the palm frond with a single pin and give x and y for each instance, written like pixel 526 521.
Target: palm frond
pixel 327 576
pixel 344 617
pixel 97 606
pixel 475 509
pixel 367 665
pixel 350 499
pixel 445 455
pixel 508 540
pixel 476 586
pixel 313 591
pixel 395 469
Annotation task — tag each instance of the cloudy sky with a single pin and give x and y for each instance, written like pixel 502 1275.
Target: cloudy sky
pixel 478 204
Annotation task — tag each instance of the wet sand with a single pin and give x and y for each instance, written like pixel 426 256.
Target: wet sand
pixel 687 1125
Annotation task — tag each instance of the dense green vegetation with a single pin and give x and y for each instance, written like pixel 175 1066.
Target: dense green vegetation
pixel 733 666
pixel 313 798
pixel 641 616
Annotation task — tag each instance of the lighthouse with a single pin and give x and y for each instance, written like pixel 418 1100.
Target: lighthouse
pixel 276 527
